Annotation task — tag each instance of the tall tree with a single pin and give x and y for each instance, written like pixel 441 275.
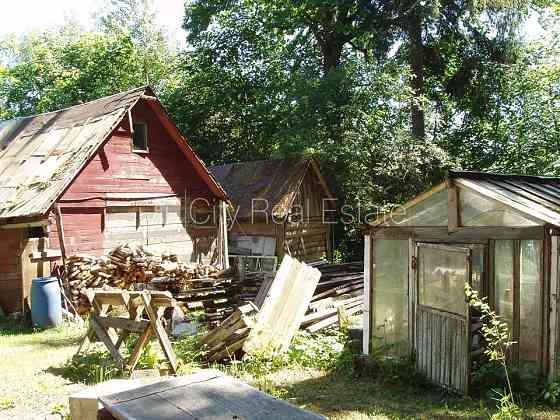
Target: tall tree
pixel 136 19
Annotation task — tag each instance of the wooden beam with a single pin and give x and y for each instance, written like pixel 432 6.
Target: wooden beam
pixel 60 231
pixel 38 223
pixel 452 209
pixel 224 233
pixel 471 234
pixel 46 255
pixel 553 315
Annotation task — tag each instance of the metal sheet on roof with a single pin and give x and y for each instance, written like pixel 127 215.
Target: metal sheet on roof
pixel 536 196
pixel 40 155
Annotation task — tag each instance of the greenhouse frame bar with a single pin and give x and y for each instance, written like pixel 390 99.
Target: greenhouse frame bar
pixel 499 233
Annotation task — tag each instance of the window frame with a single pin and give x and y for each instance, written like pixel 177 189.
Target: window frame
pixel 134 149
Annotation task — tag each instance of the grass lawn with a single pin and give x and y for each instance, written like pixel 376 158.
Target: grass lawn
pixel 33 385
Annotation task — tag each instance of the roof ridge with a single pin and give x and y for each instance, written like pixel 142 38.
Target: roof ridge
pixel 492 175
pixel 77 105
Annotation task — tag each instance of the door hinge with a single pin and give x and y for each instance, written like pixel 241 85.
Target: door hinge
pixel 413 263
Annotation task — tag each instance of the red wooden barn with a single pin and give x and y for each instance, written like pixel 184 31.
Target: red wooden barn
pixel 118 171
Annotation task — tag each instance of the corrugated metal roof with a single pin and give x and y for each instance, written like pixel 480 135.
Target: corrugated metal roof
pixel 275 181
pixel 536 196
pixel 40 155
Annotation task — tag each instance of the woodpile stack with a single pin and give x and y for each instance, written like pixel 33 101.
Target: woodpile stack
pixel 126 266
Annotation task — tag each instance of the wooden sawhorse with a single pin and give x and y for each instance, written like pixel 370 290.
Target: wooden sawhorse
pixel 153 303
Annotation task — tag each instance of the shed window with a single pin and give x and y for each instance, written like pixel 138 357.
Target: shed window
pixel 140 137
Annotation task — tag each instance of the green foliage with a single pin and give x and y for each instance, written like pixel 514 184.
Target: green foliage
pixel 91 368
pixel 319 351
pixel 551 393
pixel 189 352
pixel 507 408
pixel 497 337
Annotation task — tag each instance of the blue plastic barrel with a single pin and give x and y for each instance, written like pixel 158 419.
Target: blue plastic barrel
pixel 46 308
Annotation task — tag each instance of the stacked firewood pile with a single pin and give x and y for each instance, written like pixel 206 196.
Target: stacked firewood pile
pixel 127 265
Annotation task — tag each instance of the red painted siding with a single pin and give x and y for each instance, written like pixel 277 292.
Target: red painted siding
pixel 115 168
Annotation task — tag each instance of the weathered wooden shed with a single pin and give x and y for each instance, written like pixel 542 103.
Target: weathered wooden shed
pixel 112 171
pixel 279 206
pixel 497 232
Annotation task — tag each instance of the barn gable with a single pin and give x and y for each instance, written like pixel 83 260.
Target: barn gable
pixel 41 155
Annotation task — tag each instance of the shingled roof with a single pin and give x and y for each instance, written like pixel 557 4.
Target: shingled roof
pixel 275 181
pixel 41 155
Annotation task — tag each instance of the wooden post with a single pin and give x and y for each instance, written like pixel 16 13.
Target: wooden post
pixel 452 208
pixel 553 317
pixel 368 267
pixel 223 239
pixel 60 231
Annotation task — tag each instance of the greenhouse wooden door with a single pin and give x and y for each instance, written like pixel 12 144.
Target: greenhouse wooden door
pixel 441 323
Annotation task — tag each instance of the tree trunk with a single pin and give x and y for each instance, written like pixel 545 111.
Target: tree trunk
pixel 331 50
pixel 417 82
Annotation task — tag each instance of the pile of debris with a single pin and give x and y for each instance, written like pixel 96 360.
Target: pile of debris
pixel 271 327
pixel 126 266
pixel 294 299
pixel 341 286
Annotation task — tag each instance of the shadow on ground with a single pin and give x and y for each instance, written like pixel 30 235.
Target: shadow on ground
pixel 335 397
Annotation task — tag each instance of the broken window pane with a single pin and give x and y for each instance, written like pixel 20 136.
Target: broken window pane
pixel 390 295
pixel 476 210
pixel 529 300
pixel 442 274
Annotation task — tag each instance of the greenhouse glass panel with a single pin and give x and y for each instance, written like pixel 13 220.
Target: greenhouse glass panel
pixel 476 210
pixel 441 279
pixel 503 269
pixel 529 300
pixel 430 212
pixel 390 295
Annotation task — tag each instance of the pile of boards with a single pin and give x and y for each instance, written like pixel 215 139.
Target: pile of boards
pixel 213 296
pixel 127 265
pixel 294 299
pixel 341 286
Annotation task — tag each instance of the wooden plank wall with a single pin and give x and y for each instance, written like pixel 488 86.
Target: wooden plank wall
pixel 309 239
pixel 95 221
pixel 17 270
pixel 441 348
pixel 11 288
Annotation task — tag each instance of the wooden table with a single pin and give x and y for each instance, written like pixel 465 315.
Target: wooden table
pixel 208 394
pixel 152 303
